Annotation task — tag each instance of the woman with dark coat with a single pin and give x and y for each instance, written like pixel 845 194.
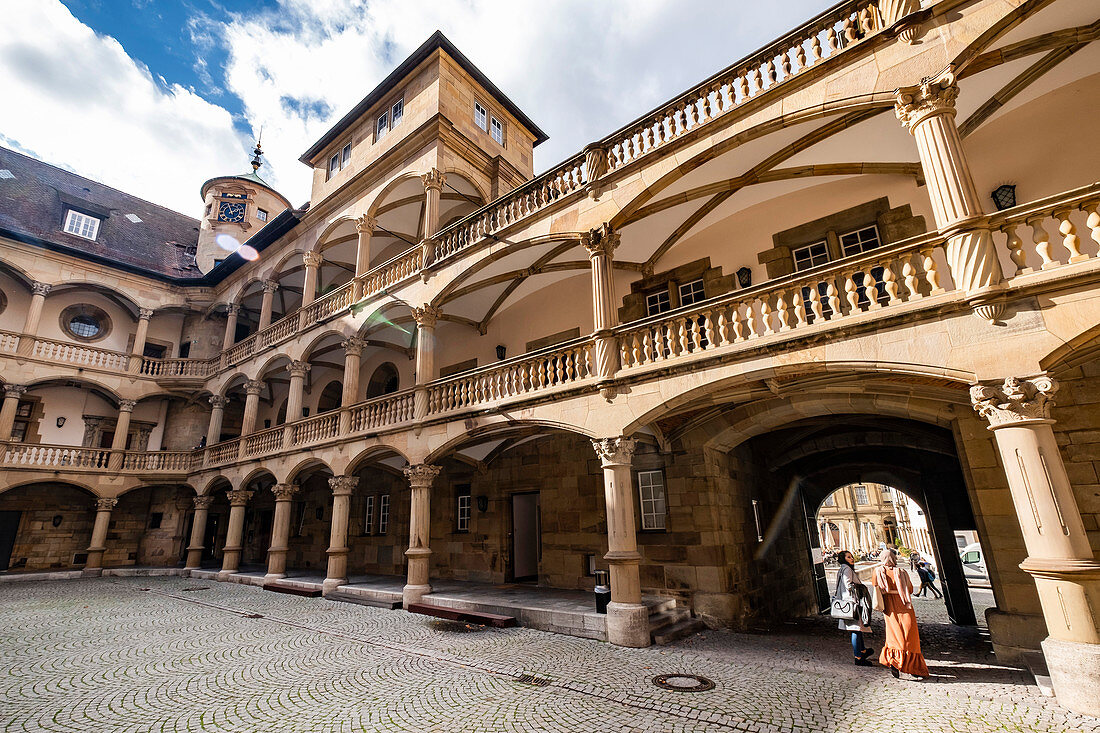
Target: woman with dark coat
pixel 849 588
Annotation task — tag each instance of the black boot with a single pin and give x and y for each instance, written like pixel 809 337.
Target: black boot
pixel 894 671
pixel 863 662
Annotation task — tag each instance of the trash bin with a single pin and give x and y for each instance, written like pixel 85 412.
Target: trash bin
pixel 602 591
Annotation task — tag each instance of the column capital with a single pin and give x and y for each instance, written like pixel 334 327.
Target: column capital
pixel 602 240
pixel 269 286
pixel 614 451
pixel 299 368
pixel 144 314
pixel 421 475
pixel 426 315
pixel 253 387
pixel 42 289
pixel 218 402
pixel 343 485
pixel 354 345
pixel 284 492
pixel 14 390
pixel 238 497
pixel 232 309
pixel 1016 401
pixel 312 259
pixel 934 95
pixel 105 505
pixel 365 224
pixel 434 180
pixel 203 502
pixel 126 405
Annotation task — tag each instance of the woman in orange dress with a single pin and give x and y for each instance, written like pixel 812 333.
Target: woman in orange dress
pixel 901 652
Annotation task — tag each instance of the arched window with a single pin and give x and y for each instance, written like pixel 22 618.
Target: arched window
pixel 384 381
pixel 330 396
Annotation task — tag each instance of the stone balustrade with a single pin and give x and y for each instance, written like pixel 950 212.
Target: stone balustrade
pixel 79 355
pixel 77 458
pixel 9 342
pixel 392 409
pixel 1024 232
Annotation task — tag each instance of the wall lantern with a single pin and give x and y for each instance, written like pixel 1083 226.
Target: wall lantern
pixel 482 503
pixel 1004 197
pixel 61 422
pixel 501 352
pixel 57 520
pixel 744 277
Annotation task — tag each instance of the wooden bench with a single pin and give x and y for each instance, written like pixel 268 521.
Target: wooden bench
pixel 456 614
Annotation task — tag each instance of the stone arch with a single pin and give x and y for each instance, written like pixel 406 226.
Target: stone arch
pixel 386 379
pixel 85 381
pixel 369 455
pixel 209 487
pixel 502 428
pixel 92 492
pixel 305 464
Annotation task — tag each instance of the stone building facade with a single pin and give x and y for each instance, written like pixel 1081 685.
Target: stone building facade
pixel 865 253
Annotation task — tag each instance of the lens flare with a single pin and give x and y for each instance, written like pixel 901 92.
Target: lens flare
pixel 248 252
pixel 227 242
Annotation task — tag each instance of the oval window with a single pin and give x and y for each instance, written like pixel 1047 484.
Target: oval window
pixel 85 322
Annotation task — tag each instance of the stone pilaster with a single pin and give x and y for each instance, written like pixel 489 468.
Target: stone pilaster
pixel 364 226
pixel 425 317
pixel 12 394
pixel 312 263
pixel 217 412
pixel 232 311
pixel 267 302
pixel 433 186
pixel 252 390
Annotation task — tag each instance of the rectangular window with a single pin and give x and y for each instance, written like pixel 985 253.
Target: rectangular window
pixel 651 492
pixel 481 117
pixel 861 240
pixel 397 111
pixel 811 255
pixel 383 513
pixel 333 165
pixel 887 497
pixel 496 130
pixel 692 292
pixel 19 431
pixel 462 517
pixel 861 495
pixel 82 225
pixel 345 156
pixel 261 214
pixel 830 500
pixel 383 126
pixel 658 302
pixel 155 520
pixel 368 515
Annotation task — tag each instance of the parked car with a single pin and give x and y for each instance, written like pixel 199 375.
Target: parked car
pixel 973 562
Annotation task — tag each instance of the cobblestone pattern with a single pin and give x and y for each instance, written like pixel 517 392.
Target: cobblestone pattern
pixel 104 655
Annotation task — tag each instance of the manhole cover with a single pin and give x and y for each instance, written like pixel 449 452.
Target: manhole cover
pixel 683 682
pixel 530 679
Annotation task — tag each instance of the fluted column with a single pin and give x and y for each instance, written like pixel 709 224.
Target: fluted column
pixel 419 553
pixel 267 303
pixel 232 311
pixel 280 531
pixel 217 413
pixel 137 353
pixel 1059 557
pixel 353 352
pixel 39 291
pixel 12 395
pixel 234 535
pixel 364 226
pixel 601 244
pixel 337 574
pixel 425 317
pixel 103 508
pixel 928 111
pixel 252 391
pixel 198 532
pixel 433 187
pixel 627 617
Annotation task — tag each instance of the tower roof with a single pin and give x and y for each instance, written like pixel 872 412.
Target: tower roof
pixel 252 176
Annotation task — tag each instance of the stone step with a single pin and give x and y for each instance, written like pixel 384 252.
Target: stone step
pixel 294 590
pixel 362 600
pixel 658 621
pixel 456 614
pixel 679 630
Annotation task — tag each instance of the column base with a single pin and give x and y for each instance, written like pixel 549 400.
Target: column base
pixel 1075 674
pixel 628 624
pixel 92 572
pixel 274 576
pixel 413 593
pixel 1014 635
pixel 223 575
pixel 332 584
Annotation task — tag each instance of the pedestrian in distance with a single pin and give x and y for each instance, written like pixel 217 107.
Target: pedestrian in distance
pixel 849 588
pixel 927 580
pixel 901 648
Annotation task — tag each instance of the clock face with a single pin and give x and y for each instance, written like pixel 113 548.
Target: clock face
pixel 231 212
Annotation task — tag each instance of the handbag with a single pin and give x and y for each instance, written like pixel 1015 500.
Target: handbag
pixel 876 599
pixel 841 608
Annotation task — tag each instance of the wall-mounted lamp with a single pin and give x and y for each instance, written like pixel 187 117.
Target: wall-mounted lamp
pixel 744 277
pixel 482 503
pixel 501 352
pixel 60 422
pixel 1004 197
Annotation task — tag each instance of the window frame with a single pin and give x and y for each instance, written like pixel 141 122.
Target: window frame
pixel 464 503
pixel 261 214
pixel 382 125
pixel 653 501
pixel 702 291
pixel 339 160
pixel 494 125
pixel 483 124
pixel 662 297
pixel 863 498
pixel 812 260
pixel 399 107
pixel 859 241
pixel 383 514
pixel 78 220
pixel 368 515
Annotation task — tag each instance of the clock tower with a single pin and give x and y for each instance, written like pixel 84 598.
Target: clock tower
pixel 236 207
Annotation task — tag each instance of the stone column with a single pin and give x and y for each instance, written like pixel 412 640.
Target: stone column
pixel 601 244
pixel 103 507
pixel 298 371
pixel 280 531
pixel 231 313
pixel 420 478
pixel 928 111
pixel 312 262
pixel 433 187
pixel 137 353
pixel 252 391
pixel 122 432
pixel 337 574
pixel 425 318
pixel 234 535
pixel 627 617
pixel 1060 557
pixel 12 393
pixel 39 291
pixel 353 351
pixel 198 532
pixel 217 412
pixel 364 225
pixel 266 303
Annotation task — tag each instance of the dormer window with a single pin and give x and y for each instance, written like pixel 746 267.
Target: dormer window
pixel 82 225
pixel 481 117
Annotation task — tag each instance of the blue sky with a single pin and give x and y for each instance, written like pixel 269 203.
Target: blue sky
pixel 156 97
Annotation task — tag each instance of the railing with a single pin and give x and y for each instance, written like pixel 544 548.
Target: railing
pixel 85 356
pixel 1031 219
pixel 402 267
pixel 9 342
pixel 262 443
pixel 23 455
pixel 319 427
pixel 199 368
pixel 159 461
pixel 223 452
pixel 241 350
pixel 283 328
pixel 554 366
pixel 379 412
pixel 326 305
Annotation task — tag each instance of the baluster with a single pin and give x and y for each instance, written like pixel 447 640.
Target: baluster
pixel 743 86
pixel 800 57
pixel 815 303
pixel 1070 240
pixel 799 308
pixel 766 316
pixel 736 323
pixel 723 328
pixel 1042 241
pixel 750 319
pixel 542 374
pixel 785 64
pixel 870 289
pixel 928 262
pixel 832 40
pixel 647 349
pixel 1093 222
pixel 673 349
pixel 909 273
pixel 696 335
pixel 815 49
pixel 851 34
pixel 769 72
pixel 890 284
pixel 757 82
pixel 781 310
pixel 851 294
pixel 1015 249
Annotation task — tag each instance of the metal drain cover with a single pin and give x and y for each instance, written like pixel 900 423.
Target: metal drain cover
pixel 530 679
pixel 683 682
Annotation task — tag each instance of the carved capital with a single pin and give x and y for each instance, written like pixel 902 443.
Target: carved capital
pixel 312 259
pixel 614 451
pixel 284 492
pixel 239 497
pixel 600 241
pixel 218 402
pixel 343 485
pixel 253 387
pixel 433 180
pixel 127 405
pixel 421 475
pixel 366 224
pixel 426 315
pixel 1016 401
pixel 203 502
pixel 934 95
pixel 354 345
pixel 144 314
pixel 14 390
pixel 299 368
pixel 269 286
pixel 232 309
pixel 42 289
pixel 105 505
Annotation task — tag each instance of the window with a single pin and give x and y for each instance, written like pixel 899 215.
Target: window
pixel 339 160
pixel 481 117
pixel 972 557
pixel 651 492
pixel 81 225
pixel 462 517
pixel 811 255
pixel 155 520
pixel 861 495
pixel 692 292
pixel 887 496
pixel 333 165
pixel 496 130
pixel 397 111
pixel 345 156
pixel 261 214
pixel 658 302
pixel 85 322
pixel 830 500
pixel 383 126
pixel 861 240
pixel 383 513
pixel 368 515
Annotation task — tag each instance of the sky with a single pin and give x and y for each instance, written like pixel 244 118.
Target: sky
pixel 155 97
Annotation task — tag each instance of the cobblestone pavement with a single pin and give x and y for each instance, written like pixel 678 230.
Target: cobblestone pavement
pixel 174 654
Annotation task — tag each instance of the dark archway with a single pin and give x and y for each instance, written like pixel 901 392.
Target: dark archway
pixel 384 381
pixel 330 397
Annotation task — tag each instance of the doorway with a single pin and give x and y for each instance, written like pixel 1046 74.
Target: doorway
pixel 526 536
pixel 9 526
